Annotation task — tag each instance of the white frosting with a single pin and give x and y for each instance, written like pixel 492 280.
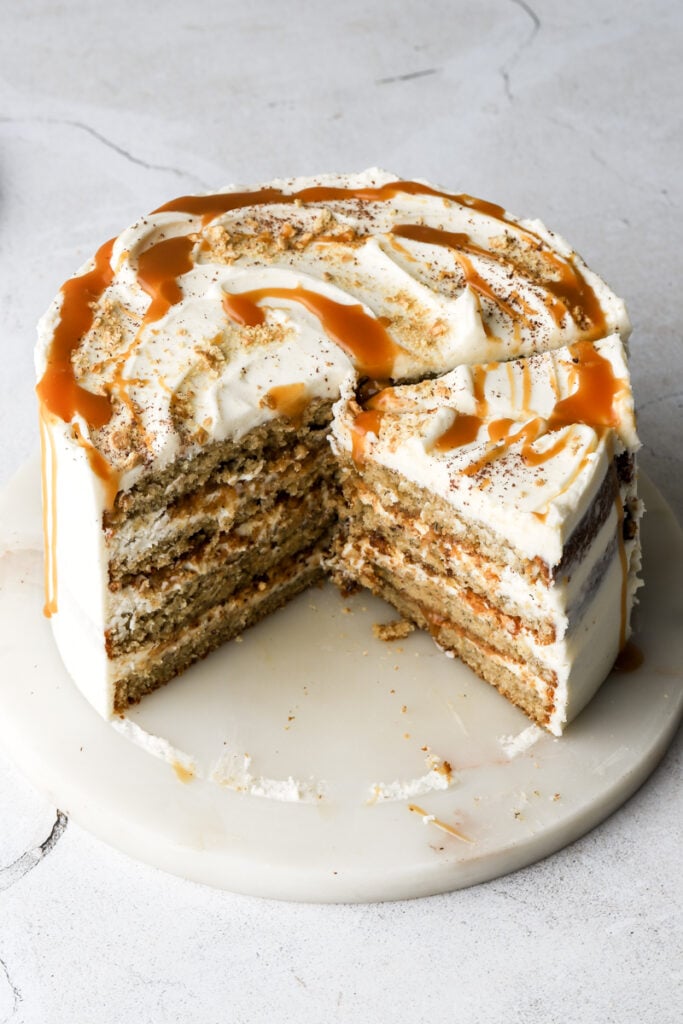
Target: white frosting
pixel 183 763
pixel 518 744
pixel 233 771
pixel 439 777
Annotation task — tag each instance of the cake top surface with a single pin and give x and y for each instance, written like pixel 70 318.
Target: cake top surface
pixel 522 445
pixel 215 313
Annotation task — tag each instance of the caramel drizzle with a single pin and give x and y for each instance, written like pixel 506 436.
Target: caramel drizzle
pixel 569 292
pixel 368 421
pixel 592 403
pixel 463 430
pixel 158 270
pixel 289 400
pixel 58 390
pixel 159 267
pixel 210 206
pixel 460 243
pixel 360 335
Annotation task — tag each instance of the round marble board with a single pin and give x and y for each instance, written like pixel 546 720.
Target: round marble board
pixel 312 761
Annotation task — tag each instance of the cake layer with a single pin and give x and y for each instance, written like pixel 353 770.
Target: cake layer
pixel 512 677
pixel 148 542
pixel 153 605
pixel 276 445
pixel 381 503
pixel 134 675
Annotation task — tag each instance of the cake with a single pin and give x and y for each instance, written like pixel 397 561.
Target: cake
pixel 352 375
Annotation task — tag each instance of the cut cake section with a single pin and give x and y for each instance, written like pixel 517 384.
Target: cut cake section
pixel 496 507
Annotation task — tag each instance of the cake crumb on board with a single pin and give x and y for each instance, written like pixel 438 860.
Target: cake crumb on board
pixel 396 630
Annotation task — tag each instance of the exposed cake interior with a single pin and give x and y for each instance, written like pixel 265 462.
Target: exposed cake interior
pixel 213 545
pixel 187 377
pixel 496 507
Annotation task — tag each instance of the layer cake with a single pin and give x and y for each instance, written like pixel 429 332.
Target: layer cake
pixel 469 369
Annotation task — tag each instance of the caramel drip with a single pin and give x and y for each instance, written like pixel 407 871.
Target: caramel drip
pixel 534 457
pixel 290 400
pixel 512 383
pixel 242 309
pixel 463 430
pixel 568 291
pixel 593 400
pixel 360 335
pixel 48 467
pixel 529 433
pixel 498 429
pixel 575 295
pixel 390 399
pixel 158 270
pixel 527 385
pixel 183 773
pixel 629 658
pixel 366 422
pixel 479 375
pixel 58 389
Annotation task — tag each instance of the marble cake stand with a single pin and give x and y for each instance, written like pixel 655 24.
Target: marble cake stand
pixel 312 761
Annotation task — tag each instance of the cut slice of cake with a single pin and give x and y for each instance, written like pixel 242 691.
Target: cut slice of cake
pixel 186 379
pixel 496 507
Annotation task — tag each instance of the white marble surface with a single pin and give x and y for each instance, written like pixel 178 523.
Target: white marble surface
pixel 566 111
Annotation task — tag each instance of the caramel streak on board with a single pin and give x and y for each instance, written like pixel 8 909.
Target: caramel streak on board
pixel 630 658
pixel 444 826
